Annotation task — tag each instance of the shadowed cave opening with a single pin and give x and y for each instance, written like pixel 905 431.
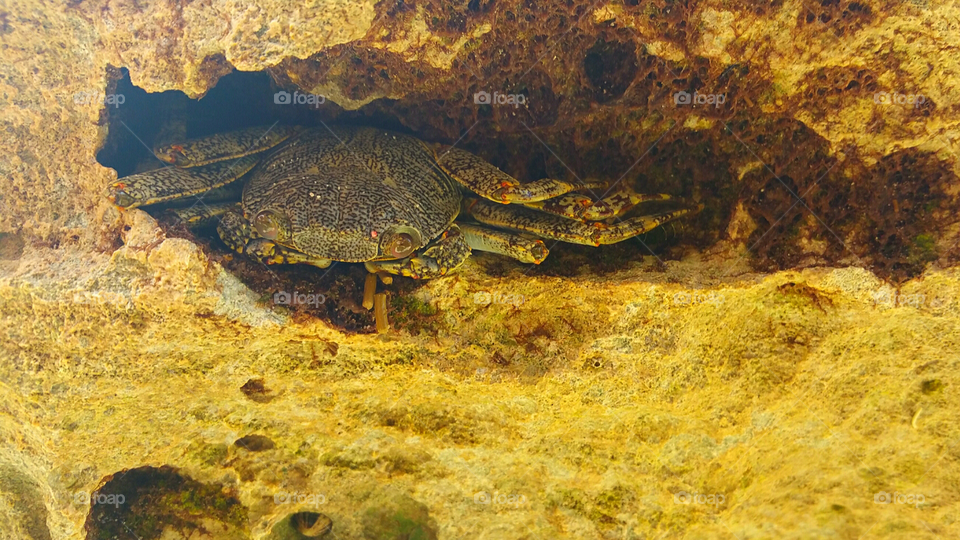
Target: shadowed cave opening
pixel 801 206
pixel 247 99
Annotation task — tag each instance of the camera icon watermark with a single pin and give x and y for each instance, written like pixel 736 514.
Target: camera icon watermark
pixel 485 298
pixel 283 298
pixel 311 499
pixel 286 98
pixel 714 499
pixel 514 499
pixel 484 98
pixel 83 498
pixel 883 497
pixel 886 98
pixel 685 98
pixel 95 96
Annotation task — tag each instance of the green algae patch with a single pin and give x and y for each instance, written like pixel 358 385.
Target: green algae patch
pixel 148 501
pixel 396 516
pixel 413 314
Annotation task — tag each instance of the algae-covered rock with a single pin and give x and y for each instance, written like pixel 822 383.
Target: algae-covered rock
pixel 783 364
pixel 660 418
pixel 160 502
pixel 825 124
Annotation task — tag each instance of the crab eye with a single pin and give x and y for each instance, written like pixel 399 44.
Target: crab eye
pixel 270 225
pixel 119 197
pixel 173 154
pixel 401 242
pixel 402 245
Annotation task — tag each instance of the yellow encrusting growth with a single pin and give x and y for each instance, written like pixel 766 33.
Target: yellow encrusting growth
pixel 611 392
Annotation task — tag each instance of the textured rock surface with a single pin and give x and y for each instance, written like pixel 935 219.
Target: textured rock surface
pixel 804 114
pixel 596 402
pixel 585 411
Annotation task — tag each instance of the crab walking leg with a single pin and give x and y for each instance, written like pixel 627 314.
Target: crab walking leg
pixel 223 146
pixel 439 259
pixel 380 312
pixel 504 243
pixel 200 214
pixel 238 235
pixel 571 206
pixel 630 227
pixel 491 183
pixel 229 193
pixel 172 183
pixel 568 230
pixel 581 207
pixel 619 203
pixel 369 289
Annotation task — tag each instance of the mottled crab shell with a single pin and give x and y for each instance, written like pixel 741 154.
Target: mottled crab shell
pixel 343 195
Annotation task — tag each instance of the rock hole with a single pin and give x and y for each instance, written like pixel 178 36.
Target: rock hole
pixel 610 67
pixel 255 443
pixel 930 386
pixel 256 390
pixel 311 524
pixel 160 502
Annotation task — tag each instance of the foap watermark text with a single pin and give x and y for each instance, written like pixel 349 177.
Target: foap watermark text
pixel 111 499
pixel 312 499
pixel 485 298
pixel 882 497
pixel 485 98
pixel 886 98
pixel 714 499
pixel 689 299
pixel 512 499
pixel 685 98
pixel 96 96
pixel 286 98
pixel 889 299
pixel 283 298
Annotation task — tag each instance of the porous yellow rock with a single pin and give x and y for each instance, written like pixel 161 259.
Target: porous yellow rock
pixel 628 405
pixel 663 399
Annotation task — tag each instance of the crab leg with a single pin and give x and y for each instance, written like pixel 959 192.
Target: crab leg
pixel 369 289
pixel 171 183
pixel 581 207
pixel 231 193
pixel 491 183
pixel 439 259
pixel 200 214
pixel 504 243
pixel 223 146
pixel 568 230
pixel 380 312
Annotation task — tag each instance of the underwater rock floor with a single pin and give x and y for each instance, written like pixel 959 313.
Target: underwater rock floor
pixel 628 405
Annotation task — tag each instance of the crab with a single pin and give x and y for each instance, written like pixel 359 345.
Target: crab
pixel 387 200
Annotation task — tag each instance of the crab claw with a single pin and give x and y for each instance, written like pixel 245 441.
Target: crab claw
pixel 119 197
pixel 509 192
